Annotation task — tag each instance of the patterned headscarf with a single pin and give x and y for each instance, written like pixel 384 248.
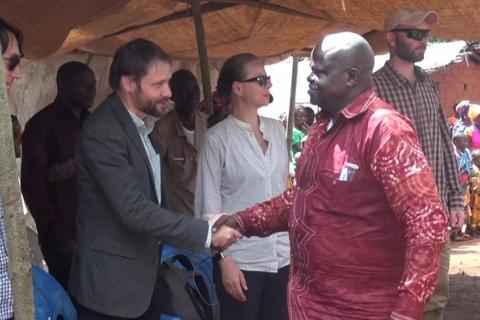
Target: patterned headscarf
pixel 462 109
pixel 474 111
pixel 221 109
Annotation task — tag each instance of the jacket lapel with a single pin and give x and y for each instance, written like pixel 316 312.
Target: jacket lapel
pixel 131 130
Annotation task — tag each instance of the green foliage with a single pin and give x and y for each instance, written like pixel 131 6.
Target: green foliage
pixel 433 40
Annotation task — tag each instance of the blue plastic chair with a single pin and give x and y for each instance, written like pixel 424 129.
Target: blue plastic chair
pixel 51 300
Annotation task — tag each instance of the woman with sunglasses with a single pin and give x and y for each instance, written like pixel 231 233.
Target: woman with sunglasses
pixel 11 40
pixel 243 161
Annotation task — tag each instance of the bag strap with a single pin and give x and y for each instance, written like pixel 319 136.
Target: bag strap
pixel 176 280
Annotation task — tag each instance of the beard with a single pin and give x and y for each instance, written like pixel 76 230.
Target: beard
pixel 408 54
pixel 152 107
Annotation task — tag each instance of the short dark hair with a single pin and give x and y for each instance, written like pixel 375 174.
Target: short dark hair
pixel 182 80
pixel 233 70
pixel 133 59
pixel 5 29
pixel 299 107
pixel 69 71
pixel 310 113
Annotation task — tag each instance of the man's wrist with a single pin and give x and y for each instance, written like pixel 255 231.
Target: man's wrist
pixel 407 308
pixel 208 241
pixel 219 257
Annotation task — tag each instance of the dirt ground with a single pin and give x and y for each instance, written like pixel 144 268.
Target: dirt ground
pixel 464 302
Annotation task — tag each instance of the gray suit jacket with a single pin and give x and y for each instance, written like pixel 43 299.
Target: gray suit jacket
pixel 119 223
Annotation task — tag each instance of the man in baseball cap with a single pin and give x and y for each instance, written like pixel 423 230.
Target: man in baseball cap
pixel 410 91
pixel 410 16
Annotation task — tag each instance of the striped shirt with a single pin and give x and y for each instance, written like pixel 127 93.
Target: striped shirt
pixel 6 298
pixel 420 103
pixel 145 127
pixel 234 174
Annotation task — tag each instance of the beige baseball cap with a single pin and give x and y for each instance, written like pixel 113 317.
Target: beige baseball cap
pixel 410 16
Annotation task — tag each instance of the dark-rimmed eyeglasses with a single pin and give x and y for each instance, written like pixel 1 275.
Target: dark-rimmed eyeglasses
pixel 416 34
pixel 12 62
pixel 261 80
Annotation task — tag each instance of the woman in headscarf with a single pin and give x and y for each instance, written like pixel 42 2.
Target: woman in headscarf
pixel 474 130
pixel 464 122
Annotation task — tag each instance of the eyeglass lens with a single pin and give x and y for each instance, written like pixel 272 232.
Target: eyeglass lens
pixel 261 80
pixel 417 34
pixel 13 62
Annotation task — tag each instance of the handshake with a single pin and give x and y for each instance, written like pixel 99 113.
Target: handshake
pixel 225 231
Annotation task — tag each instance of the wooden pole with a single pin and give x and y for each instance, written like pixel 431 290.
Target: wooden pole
pixel 291 110
pixel 20 265
pixel 202 53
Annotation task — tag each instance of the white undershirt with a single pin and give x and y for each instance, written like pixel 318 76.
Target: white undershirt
pixel 189 135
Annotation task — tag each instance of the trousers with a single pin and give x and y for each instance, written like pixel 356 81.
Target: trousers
pixel 436 305
pixel 266 296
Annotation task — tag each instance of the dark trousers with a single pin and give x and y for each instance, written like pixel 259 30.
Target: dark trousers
pixel 159 304
pixel 58 265
pixel 266 296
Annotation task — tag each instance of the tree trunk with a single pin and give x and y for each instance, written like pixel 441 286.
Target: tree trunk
pixel 20 266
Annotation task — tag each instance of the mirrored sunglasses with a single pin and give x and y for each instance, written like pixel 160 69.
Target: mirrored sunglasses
pixel 416 34
pixel 12 62
pixel 261 80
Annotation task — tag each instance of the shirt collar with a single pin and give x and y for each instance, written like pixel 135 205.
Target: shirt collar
pixel 177 124
pixel 401 80
pixel 144 126
pixel 245 125
pixel 358 106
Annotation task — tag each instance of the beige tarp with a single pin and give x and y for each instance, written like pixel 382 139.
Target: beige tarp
pixel 267 28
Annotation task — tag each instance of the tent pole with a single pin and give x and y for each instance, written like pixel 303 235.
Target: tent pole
pixel 202 53
pixel 20 263
pixel 291 110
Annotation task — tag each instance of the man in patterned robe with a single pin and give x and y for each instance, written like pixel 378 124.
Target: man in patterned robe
pixel 366 222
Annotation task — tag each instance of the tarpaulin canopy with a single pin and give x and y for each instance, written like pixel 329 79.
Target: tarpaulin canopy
pixel 266 27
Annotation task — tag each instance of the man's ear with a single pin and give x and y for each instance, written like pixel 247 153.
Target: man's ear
pixel 390 39
pixel 128 84
pixel 352 77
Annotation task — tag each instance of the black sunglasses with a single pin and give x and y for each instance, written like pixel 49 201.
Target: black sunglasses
pixel 261 80
pixel 12 62
pixel 417 34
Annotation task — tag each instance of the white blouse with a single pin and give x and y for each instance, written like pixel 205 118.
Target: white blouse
pixel 233 174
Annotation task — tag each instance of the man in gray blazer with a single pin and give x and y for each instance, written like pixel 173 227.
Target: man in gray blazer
pixel 120 225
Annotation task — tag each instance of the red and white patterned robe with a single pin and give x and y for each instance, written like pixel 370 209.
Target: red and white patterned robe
pixel 365 242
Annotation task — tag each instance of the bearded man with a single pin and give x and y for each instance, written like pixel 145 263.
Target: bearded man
pixel 116 272
pixel 410 91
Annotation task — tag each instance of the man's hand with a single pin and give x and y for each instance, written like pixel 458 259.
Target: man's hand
pixel 226 220
pixel 233 279
pixel 457 218
pixel 214 219
pixel 224 237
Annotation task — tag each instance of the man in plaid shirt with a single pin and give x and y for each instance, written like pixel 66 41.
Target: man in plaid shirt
pixel 409 89
pixel 11 41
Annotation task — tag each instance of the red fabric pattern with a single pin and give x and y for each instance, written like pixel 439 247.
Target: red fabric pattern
pixel 401 168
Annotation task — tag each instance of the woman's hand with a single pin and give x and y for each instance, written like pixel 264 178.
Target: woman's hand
pixel 233 279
